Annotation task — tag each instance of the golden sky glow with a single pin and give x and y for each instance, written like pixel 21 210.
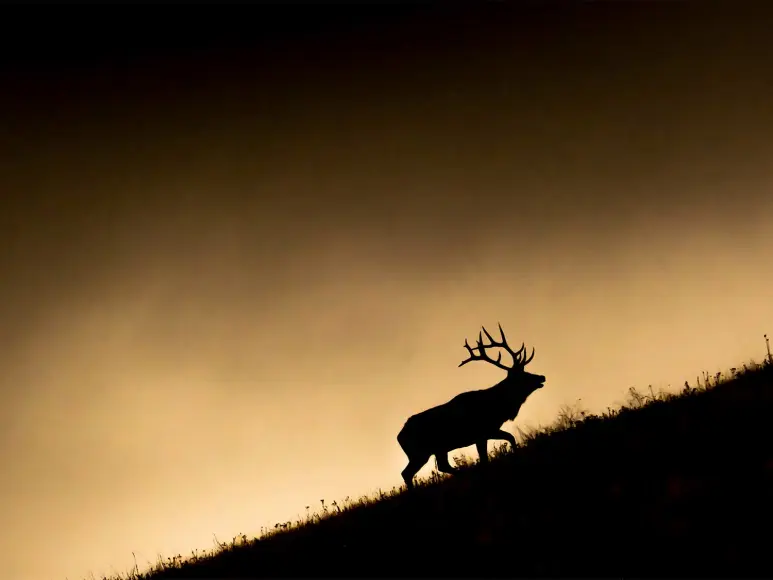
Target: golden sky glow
pixel 222 298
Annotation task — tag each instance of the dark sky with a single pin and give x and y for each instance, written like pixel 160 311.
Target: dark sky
pixel 241 246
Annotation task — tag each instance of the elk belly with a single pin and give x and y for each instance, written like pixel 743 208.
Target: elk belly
pixel 456 434
pixel 438 429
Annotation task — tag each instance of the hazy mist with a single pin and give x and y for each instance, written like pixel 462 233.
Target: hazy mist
pixel 229 277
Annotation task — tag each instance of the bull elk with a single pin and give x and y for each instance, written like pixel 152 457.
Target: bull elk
pixel 470 418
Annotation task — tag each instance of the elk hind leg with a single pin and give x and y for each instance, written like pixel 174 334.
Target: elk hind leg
pixel 482 447
pixel 414 465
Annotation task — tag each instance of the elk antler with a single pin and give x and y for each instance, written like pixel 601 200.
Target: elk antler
pixel 519 357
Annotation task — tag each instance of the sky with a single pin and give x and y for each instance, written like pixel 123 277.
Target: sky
pixel 238 254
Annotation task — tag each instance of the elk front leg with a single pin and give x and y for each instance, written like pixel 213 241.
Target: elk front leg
pixel 482 447
pixel 501 434
pixel 443 464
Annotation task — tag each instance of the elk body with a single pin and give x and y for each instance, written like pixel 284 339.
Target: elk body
pixel 471 418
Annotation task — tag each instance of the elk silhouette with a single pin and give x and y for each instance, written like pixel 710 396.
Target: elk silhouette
pixel 469 418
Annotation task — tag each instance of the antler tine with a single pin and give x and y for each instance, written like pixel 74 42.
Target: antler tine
pixel 471 350
pixel 522 354
pixel 520 359
pixel 518 355
pixel 523 360
pixel 481 348
pixel 491 338
pixel 502 333
pixel 506 346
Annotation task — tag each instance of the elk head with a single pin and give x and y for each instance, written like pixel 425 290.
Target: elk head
pixel 516 374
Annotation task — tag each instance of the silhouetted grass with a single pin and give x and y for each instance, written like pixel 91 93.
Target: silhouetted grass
pixel 668 484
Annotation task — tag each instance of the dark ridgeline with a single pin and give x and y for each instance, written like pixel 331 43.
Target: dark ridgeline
pixel 471 418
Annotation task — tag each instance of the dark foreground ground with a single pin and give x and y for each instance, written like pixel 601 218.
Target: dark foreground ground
pixel 670 485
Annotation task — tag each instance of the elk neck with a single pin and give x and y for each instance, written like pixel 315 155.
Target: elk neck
pixel 511 395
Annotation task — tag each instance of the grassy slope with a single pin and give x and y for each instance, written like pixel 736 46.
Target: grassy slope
pixel 667 485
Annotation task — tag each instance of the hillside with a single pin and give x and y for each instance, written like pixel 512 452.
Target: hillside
pixel 670 484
